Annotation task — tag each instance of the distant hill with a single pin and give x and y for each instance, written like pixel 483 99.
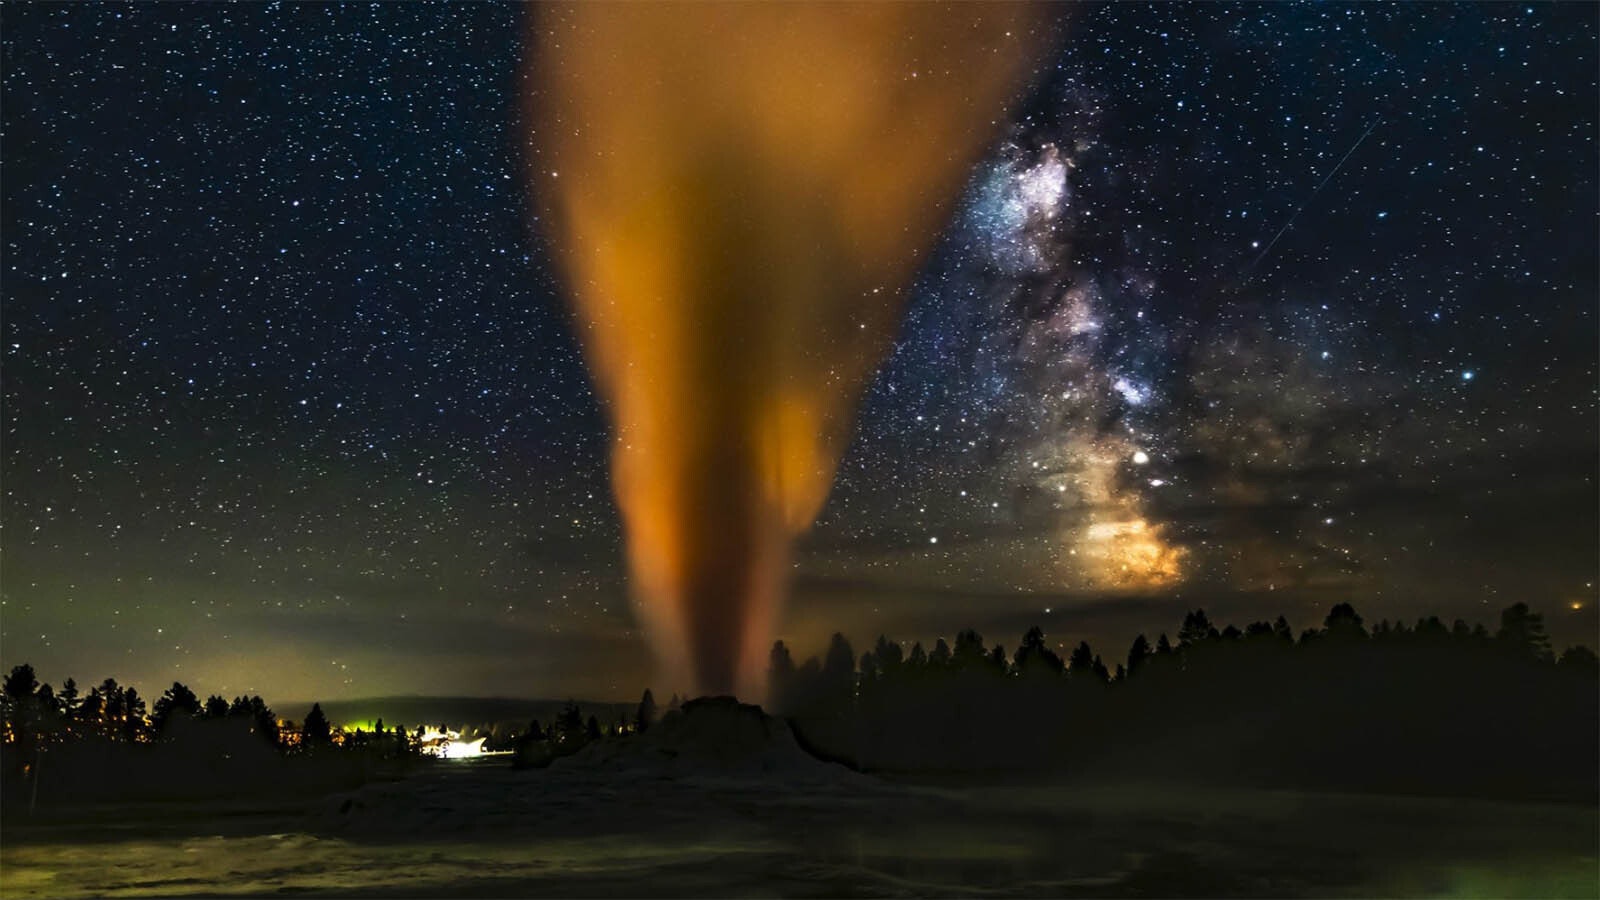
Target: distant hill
pixel 460 713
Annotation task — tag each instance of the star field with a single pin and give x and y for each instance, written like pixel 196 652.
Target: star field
pixel 1257 308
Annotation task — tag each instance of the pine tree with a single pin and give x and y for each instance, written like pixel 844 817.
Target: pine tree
pixel 21 684
pixel 178 700
pixel 1197 627
pixel 134 726
pixel 889 656
pixel 316 732
pixel 1522 634
pixel 1034 656
pixel 1344 623
pixel 646 714
pixel 1138 654
pixel 70 705
pixel 1280 627
pixel 839 666
pixel 780 678
pixel 1082 660
pixel 918 660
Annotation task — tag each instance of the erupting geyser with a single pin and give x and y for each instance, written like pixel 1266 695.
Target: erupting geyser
pixel 739 192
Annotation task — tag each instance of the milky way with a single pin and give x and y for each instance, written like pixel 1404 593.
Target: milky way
pixel 292 403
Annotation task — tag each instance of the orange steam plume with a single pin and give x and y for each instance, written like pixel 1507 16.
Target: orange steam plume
pixel 739 192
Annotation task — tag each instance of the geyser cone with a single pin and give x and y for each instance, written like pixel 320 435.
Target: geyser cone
pixel 740 192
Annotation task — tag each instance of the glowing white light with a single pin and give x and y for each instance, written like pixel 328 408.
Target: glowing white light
pixel 1039 188
pixel 449 745
pixel 1133 394
pixel 1467 375
pixel 1140 457
pixel 460 750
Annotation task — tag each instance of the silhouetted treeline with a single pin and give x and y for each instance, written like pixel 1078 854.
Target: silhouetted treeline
pixel 108 743
pixel 1426 708
pixel 542 743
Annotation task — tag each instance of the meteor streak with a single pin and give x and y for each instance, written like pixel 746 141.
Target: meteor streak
pixel 1250 269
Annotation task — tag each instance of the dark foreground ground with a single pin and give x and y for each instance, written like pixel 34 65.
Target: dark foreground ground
pixel 480 829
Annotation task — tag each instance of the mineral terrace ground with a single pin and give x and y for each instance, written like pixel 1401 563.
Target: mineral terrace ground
pixel 481 829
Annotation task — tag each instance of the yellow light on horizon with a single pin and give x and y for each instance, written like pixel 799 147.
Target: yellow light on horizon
pixel 1133 554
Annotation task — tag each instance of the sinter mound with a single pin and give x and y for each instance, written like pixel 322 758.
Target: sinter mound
pixel 709 736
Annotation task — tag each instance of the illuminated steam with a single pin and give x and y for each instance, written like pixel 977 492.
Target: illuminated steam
pixel 739 193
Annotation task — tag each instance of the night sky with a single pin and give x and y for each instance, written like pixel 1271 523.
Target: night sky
pixel 1255 308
